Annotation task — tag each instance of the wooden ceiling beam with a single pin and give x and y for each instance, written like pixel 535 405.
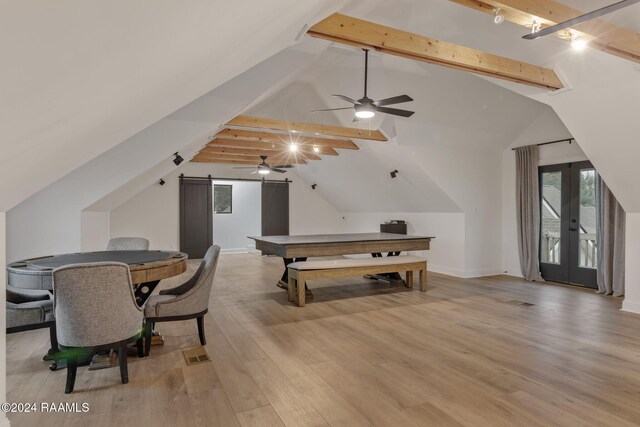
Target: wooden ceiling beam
pixel 602 35
pixel 257 145
pixel 222 161
pixel 357 32
pixel 306 128
pixel 281 138
pixel 307 154
pixel 280 159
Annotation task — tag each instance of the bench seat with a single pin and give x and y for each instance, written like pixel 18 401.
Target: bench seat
pixel 300 272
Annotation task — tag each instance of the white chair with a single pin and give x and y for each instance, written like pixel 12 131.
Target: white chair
pixel 128 244
pixel 95 309
pixel 187 301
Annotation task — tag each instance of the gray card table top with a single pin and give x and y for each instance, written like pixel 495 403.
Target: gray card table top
pixel 145 266
pixel 339 244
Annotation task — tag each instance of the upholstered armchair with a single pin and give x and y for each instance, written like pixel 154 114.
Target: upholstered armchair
pixel 95 309
pixel 29 309
pixel 128 244
pixel 187 301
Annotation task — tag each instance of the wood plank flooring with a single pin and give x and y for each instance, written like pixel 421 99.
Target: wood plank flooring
pixel 466 353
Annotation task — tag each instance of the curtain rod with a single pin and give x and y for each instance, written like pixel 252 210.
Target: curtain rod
pixel 286 180
pixel 553 142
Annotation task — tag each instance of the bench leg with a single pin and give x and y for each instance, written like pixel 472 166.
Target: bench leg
pixel 409 281
pixel 300 288
pixel 292 288
pixel 423 279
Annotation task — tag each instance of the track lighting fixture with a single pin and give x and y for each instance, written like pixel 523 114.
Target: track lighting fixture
pixel 498 17
pixel 535 26
pixel 293 147
pixel 178 159
pixel 161 182
pixel 313 186
pixel 316 149
pixel 394 173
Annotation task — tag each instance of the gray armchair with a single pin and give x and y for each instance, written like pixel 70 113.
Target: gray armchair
pixel 95 309
pixel 187 301
pixel 128 244
pixel 29 309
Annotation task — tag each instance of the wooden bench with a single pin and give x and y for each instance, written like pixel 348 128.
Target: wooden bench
pixel 301 272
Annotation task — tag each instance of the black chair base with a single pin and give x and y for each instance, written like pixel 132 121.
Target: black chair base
pixel 72 357
pixel 151 321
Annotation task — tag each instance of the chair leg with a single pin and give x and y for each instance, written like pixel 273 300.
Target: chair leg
pixel 148 327
pixel 140 346
pixel 122 357
pixel 423 279
pixel 53 339
pixel 200 320
pixel 72 367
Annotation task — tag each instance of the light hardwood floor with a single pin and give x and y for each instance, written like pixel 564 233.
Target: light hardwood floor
pixel 464 353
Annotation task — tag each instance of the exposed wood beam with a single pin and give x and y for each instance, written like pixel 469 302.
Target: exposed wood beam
pixel 306 128
pixel 252 135
pixel 357 32
pixel 602 35
pixel 280 159
pixel 223 161
pixel 257 145
pixel 282 152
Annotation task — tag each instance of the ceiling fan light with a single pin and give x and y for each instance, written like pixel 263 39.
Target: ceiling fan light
pixel 263 171
pixel 365 111
pixel 364 114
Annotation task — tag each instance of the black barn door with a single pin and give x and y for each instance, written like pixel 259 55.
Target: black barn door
pixel 275 209
pixel 196 220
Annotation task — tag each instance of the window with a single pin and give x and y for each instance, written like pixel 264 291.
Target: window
pixel 222 199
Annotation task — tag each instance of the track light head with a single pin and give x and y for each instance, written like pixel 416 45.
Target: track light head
pixel 161 182
pixel 313 186
pixel 394 173
pixel 498 17
pixel 178 159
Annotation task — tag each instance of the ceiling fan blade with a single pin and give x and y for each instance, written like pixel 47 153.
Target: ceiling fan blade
pixel 345 98
pixel 278 170
pixel 283 166
pixel 579 19
pixel 245 167
pixel 395 111
pixel 255 171
pixel 333 109
pixel 394 100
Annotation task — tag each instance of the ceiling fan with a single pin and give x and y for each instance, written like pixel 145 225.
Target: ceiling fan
pixel 579 19
pixel 366 107
pixel 264 168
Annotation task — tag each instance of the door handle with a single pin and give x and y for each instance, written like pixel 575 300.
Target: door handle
pixel 573 229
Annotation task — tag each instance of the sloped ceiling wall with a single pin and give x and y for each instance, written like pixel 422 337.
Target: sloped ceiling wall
pixel 81 76
pixel 49 221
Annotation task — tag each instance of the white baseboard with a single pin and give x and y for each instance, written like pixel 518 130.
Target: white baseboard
pixel 481 272
pixel 631 306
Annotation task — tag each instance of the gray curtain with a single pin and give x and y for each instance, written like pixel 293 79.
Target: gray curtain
pixel 610 227
pixel 528 211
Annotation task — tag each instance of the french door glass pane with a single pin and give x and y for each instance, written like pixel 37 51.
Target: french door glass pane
pixel 551 216
pixel 588 245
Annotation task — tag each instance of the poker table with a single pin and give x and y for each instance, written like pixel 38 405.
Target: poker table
pixel 147 268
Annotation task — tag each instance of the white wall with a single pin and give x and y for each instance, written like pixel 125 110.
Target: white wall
pixel 3 316
pixel 230 231
pixel 94 231
pixel 154 213
pixel 632 273
pixel 447 253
